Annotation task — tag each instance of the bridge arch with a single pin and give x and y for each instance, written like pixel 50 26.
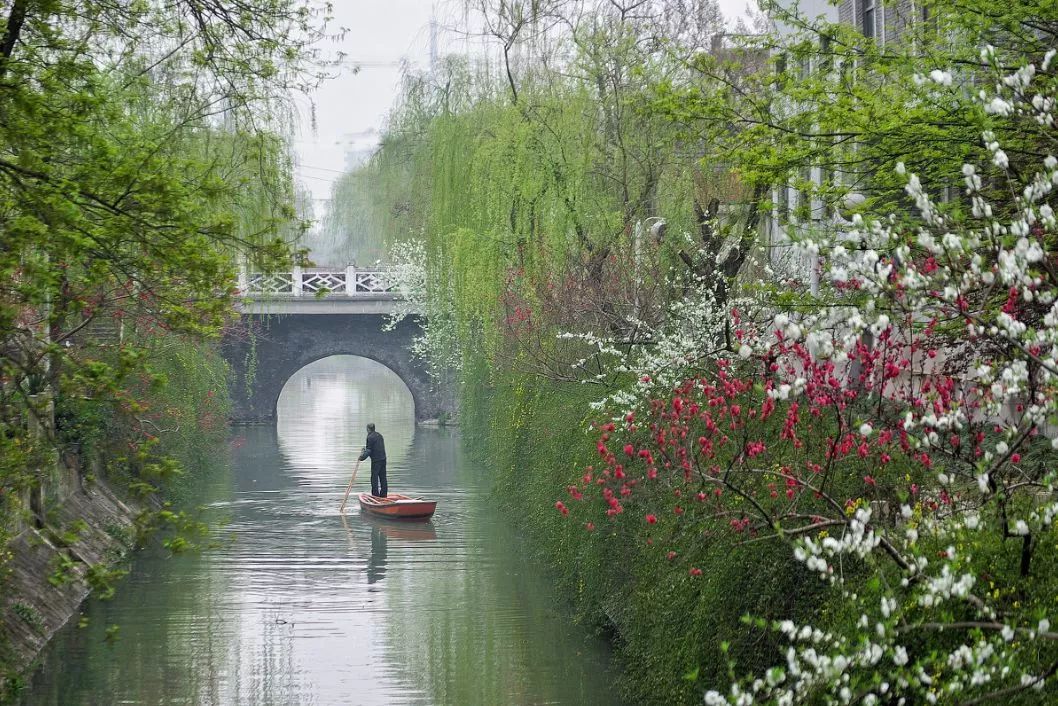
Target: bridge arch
pixel 280 345
pixel 377 367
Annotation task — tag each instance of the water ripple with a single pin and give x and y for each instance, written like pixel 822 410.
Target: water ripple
pixel 306 606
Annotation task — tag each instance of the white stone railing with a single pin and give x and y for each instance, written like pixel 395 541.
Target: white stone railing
pixel 317 282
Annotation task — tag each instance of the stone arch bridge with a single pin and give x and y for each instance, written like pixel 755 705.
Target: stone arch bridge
pixel 298 317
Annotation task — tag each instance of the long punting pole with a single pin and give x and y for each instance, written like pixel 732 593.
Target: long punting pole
pixel 351 481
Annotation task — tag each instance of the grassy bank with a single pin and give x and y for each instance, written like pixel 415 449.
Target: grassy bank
pixel 674 634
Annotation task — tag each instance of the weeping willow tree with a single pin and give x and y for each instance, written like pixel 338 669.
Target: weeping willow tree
pixel 540 170
pixel 141 153
pixel 559 211
pixel 353 228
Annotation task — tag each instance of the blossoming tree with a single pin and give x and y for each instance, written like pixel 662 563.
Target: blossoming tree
pixel 899 436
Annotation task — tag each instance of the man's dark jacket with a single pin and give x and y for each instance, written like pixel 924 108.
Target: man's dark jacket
pixel 375 449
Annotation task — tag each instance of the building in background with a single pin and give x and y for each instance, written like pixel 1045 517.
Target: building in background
pixel 794 206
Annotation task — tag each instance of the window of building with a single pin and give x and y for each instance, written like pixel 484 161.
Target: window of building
pixel 780 67
pixel 784 202
pixel 804 193
pixel 927 18
pixel 827 179
pixel 869 9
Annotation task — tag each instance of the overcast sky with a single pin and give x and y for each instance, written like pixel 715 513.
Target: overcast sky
pixel 350 109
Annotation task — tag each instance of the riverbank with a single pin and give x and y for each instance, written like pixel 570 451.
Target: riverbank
pixel 105 472
pixel 673 632
pixel 52 568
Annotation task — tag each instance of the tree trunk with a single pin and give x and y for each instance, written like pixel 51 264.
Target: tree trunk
pixel 15 19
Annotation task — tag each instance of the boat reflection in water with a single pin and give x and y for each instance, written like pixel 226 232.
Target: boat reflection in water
pixel 382 531
pixel 415 531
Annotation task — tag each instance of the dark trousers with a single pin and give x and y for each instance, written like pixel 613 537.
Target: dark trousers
pixel 379 487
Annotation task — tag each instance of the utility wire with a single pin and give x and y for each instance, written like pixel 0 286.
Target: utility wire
pixel 322 169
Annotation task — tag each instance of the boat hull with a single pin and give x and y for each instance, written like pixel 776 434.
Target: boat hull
pixel 397 507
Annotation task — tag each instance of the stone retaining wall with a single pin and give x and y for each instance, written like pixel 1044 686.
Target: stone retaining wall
pixel 46 576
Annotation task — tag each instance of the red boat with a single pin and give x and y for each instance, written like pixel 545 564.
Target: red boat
pixel 397 507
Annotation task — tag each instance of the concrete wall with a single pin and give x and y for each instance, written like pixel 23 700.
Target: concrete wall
pixel 86 525
pixel 280 345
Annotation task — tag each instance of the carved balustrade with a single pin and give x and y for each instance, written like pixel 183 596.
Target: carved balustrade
pixel 318 283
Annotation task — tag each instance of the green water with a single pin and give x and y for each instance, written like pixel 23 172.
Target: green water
pixel 307 607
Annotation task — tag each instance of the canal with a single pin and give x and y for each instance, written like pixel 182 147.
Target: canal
pixel 305 606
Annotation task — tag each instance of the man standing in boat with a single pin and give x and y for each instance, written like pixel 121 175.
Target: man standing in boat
pixel 375 448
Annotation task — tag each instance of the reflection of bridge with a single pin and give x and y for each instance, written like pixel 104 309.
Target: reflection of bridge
pixel 300 316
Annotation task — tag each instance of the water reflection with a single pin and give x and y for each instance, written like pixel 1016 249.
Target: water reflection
pixel 323 413
pixel 402 529
pixel 376 565
pixel 310 606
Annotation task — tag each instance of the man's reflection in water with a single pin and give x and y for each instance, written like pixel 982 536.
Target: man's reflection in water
pixel 376 564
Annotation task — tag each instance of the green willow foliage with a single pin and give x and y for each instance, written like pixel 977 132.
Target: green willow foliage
pixel 139 157
pixel 536 203
pixel 544 184
pixel 532 183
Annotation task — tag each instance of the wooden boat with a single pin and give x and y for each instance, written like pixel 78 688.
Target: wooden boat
pixel 397 507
